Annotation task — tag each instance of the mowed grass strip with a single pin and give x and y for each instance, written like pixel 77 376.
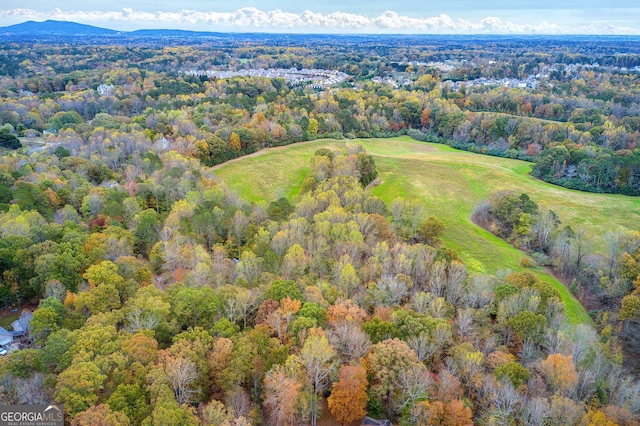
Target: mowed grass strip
pixel 450 183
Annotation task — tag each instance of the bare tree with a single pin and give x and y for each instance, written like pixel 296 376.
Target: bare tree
pixel 479 292
pixel 506 401
pixel 455 282
pixel 239 223
pixel 33 390
pixel 181 373
pixel 420 302
pixel 350 341
pixel 423 346
pixel 238 402
pixel 535 412
pixel 137 319
pixel 465 323
pixel 438 278
pixel 414 383
pixel 248 301
pixel 317 359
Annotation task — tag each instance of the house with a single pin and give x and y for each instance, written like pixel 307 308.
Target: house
pixel 368 421
pixel 6 337
pixel 21 325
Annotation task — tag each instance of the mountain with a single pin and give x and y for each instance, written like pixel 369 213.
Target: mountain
pixel 72 29
pixel 57 28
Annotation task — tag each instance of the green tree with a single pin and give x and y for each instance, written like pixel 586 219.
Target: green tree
pixel 348 280
pixel 514 372
pixel 9 141
pixel 283 288
pixel 146 232
pixel 527 324
pixel 44 322
pixel 194 306
pixel 378 329
pixel 78 387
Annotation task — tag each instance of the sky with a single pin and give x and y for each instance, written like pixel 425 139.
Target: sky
pixel 340 16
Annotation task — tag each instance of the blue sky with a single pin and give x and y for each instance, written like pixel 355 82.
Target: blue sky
pixel 339 16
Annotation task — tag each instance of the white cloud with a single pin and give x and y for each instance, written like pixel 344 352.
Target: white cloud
pixel 252 19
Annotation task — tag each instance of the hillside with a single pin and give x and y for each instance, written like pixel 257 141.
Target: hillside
pixel 436 172
pixel 450 183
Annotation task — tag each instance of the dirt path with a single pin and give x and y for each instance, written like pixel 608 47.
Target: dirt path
pixel 555 274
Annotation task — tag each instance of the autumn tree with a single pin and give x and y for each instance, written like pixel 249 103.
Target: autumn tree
pixel 234 142
pixel 348 399
pixel 100 415
pixel 425 117
pixel 561 372
pixel 280 396
pixel 448 413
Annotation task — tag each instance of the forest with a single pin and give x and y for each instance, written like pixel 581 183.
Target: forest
pixel 579 125
pixel 161 297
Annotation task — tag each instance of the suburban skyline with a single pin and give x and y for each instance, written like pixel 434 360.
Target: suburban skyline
pixel 454 17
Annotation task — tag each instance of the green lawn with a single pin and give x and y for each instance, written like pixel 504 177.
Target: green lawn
pixel 450 183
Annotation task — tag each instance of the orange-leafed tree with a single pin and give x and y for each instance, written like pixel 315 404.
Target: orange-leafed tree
pixel 348 399
pixel 345 311
pixel 425 117
pixel 561 372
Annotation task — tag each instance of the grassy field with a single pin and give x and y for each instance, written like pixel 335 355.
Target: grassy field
pixel 450 183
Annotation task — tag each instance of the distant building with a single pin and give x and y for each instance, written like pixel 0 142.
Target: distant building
pixel 293 76
pixel 105 89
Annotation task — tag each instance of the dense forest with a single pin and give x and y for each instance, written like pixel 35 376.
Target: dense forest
pixel 576 117
pixel 160 297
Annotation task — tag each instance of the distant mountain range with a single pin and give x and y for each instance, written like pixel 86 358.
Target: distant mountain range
pixel 73 29
pixel 62 28
pixel 54 30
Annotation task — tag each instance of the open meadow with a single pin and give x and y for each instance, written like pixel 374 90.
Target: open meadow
pixel 450 183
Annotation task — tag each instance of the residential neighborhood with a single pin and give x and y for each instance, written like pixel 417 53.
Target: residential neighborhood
pixel 293 76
